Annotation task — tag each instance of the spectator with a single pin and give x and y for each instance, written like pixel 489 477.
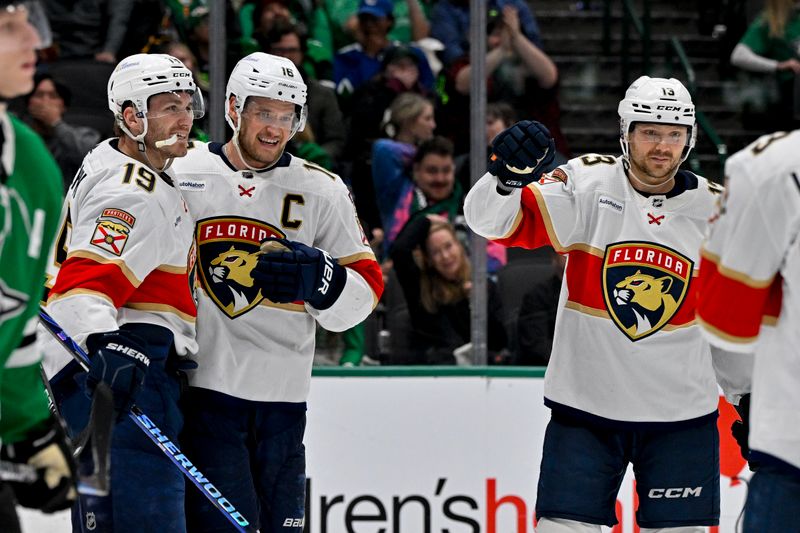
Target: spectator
pixel 769 46
pixel 499 116
pixel 450 25
pixel 324 116
pixel 410 122
pixel 357 63
pixel 335 23
pixel 85 29
pixel 518 72
pixel 537 317
pixel 44 112
pixel 435 273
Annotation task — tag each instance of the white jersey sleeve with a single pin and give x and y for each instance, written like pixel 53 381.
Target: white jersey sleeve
pixel 122 255
pixel 748 301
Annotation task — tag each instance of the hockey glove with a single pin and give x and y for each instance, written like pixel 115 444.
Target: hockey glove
pixel 520 154
pixel 740 429
pixel 288 271
pixel 46 450
pixel 118 359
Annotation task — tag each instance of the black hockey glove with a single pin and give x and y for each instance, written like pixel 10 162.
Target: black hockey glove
pixel 118 359
pixel 46 450
pixel 288 271
pixel 520 154
pixel 740 429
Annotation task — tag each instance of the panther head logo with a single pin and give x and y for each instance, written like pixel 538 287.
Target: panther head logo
pixel 227 251
pixel 232 268
pixel 649 299
pixel 644 285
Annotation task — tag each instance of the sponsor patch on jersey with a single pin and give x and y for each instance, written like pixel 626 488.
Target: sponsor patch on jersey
pixel 192 185
pixel 112 230
pixel 644 285
pixel 556 176
pixel 606 202
pixel 227 251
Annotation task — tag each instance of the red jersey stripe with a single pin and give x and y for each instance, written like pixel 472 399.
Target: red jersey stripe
pixel 370 270
pixel 165 288
pixel 104 278
pixel 734 309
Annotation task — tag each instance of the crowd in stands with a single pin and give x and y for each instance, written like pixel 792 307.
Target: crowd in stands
pixel 388 110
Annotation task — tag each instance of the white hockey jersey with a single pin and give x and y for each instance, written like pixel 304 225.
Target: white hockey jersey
pixel 252 348
pixel 626 346
pixel 123 254
pixel 750 280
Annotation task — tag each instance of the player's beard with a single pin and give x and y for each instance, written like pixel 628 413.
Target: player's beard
pixel 255 153
pixel 646 169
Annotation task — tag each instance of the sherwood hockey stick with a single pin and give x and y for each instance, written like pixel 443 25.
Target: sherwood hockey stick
pixel 163 442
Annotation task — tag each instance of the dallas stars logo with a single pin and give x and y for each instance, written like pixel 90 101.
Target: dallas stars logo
pixel 12 302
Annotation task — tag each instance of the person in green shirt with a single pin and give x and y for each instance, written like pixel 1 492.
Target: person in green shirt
pixel 30 203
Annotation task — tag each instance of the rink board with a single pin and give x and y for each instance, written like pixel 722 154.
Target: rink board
pixel 414 451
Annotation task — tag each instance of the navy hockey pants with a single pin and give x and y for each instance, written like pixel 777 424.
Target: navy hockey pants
pixel 676 470
pixel 147 490
pixel 253 453
pixel 773 499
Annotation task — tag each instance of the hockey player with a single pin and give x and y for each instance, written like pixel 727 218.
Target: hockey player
pixel 750 271
pixel 630 379
pixel 120 287
pixel 257 312
pixel 30 200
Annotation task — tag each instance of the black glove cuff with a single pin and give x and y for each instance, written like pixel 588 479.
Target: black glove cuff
pixel 503 190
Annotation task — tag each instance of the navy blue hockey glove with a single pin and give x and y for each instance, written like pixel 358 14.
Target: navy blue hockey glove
pixel 119 359
pixel 520 154
pixel 46 450
pixel 740 429
pixel 288 271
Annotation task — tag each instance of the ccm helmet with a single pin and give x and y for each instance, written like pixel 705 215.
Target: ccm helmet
pixel 657 100
pixel 275 77
pixel 140 76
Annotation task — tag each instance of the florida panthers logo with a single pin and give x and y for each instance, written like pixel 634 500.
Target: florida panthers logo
pixel 644 286
pixel 227 252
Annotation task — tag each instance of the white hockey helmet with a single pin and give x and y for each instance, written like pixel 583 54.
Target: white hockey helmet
pixel 275 77
pixel 140 76
pixel 660 101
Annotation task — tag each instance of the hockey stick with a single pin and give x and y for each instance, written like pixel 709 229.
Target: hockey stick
pixel 154 433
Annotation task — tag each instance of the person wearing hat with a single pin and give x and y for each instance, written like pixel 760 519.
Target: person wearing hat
pixel 45 108
pixel 30 203
pixel 357 63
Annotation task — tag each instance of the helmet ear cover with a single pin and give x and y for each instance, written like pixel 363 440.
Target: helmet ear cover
pixel 658 101
pixel 268 76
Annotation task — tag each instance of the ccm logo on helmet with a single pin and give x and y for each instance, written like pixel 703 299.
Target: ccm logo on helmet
pixel 668 108
pixel 180 75
pixel 676 492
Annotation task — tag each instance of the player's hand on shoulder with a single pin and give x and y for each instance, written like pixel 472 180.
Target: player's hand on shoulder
pixel 47 450
pixel 519 155
pixel 288 271
pixel 119 359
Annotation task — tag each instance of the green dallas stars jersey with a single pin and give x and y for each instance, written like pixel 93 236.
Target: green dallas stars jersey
pixel 30 204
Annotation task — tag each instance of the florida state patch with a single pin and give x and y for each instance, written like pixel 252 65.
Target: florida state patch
pixel 112 231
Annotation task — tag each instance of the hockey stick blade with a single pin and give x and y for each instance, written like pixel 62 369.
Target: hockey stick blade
pixel 99 431
pixel 169 448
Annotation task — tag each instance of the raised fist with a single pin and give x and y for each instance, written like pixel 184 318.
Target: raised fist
pixel 520 154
